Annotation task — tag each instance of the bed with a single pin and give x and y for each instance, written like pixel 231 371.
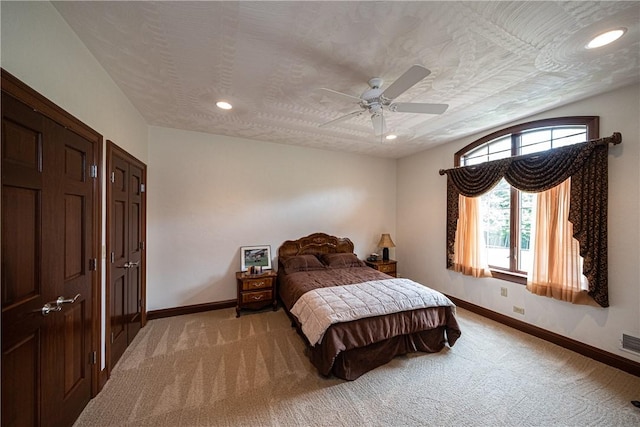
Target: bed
pixel 320 263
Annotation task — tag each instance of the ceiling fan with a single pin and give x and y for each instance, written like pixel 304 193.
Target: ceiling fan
pixel 376 100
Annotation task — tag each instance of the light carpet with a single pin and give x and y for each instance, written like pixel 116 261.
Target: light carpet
pixel 212 369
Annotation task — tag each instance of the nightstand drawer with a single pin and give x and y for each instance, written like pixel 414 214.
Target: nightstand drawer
pixel 251 284
pixel 387 268
pixel 249 297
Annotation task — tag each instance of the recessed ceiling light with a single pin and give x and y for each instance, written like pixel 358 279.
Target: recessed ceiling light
pixel 606 38
pixel 391 137
pixel 224 105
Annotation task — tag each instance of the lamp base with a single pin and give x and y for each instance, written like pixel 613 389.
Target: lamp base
pixel 385 254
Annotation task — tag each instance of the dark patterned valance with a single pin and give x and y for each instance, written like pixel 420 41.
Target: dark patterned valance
pixel 585 163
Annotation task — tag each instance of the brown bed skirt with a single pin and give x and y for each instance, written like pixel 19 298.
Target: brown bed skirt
pixel 351 364
pixel 351 349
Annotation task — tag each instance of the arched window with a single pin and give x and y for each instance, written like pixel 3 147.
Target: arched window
pixel 570 220
pixel 507 213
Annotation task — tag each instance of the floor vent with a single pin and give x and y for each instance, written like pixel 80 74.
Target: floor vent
pixel 631 343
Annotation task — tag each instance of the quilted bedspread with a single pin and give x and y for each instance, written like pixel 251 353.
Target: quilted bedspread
pixel 319 308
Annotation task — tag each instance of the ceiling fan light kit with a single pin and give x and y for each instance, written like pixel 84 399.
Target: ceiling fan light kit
pixel 376 100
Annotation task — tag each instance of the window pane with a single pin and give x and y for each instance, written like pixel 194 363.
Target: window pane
pixel 500 155
pixel 527 209
pixel 479 155
pixel 568 136
pixel 535 141
pixel 500 148
pixel 496 207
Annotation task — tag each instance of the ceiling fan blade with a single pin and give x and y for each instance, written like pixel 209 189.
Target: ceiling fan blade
pixel 341 119
pixel 379 126
pixel 412 76
pixel 340 96
pixel 415 107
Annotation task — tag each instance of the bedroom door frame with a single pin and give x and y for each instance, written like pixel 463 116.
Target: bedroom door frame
pixel 116 155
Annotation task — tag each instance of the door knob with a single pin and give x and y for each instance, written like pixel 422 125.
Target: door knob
pixel 130 264
pixel 49 307
pixel 62 300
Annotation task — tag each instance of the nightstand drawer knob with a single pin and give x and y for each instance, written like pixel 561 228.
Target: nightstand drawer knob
pixel 257 297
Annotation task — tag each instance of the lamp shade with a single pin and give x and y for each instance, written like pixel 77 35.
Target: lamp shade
pixel 386 242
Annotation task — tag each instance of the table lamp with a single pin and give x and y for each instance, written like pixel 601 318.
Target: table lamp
pixel 385 243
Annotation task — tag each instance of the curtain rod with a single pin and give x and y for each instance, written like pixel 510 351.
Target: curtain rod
pixel 614 139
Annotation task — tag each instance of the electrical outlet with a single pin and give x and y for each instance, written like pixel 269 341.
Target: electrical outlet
pixel 503 292
pixel 518 310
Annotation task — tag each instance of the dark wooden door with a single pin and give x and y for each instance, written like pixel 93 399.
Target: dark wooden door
pixel 126 224
pixel 47 240
pixel 135 250
pixel 119 257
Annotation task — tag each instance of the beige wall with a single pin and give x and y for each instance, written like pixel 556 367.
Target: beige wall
pixel 421 201
pixel 209 194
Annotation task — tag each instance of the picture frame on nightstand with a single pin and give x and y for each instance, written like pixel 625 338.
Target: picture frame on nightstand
pixel 255 258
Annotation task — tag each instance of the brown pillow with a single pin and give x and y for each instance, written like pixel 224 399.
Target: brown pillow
pixel 301 263
pixel 341 260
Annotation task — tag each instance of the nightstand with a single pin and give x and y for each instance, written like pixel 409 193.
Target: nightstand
pixel 388 267
pixel 256 290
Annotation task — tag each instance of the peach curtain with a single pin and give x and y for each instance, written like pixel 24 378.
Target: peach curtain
pixel 557 264
pixel 470 249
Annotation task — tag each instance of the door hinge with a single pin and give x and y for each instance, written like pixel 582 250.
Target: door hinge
pixel 142 188
pixel 93 264
pixel 113 177
pixel 141 246
pixel 139 305
pixel 94 357
pixel 111 337
pixel 113 257
pixel 93 171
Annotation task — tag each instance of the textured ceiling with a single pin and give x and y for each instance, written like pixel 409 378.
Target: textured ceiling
pixel 492 62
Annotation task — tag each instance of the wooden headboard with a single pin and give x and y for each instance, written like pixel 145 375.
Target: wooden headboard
pixel 317 243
